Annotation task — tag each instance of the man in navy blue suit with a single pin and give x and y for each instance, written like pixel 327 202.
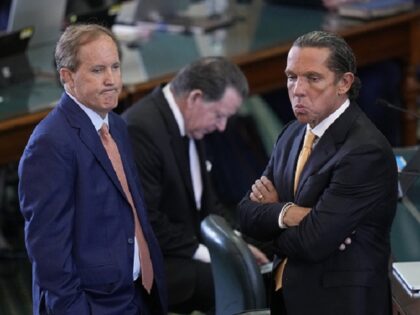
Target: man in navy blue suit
pixel 79 215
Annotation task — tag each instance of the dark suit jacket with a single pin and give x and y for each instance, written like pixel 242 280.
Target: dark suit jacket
pixel 350 182
pixel 163 164
pixel 78 224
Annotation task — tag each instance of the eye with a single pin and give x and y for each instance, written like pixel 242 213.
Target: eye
pixel 313 78
pixel 97 70
pixel 116 66
pixel 291 77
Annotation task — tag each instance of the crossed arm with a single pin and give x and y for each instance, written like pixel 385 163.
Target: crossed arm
pixel 263 191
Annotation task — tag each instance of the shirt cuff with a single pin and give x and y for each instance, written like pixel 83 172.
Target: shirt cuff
pixel 283 213
pixel 202 253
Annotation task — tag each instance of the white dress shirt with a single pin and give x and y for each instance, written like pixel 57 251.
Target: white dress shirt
pixel 202 252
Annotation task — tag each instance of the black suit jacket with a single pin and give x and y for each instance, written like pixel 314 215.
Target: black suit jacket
pixel 350 182
pixel 162 160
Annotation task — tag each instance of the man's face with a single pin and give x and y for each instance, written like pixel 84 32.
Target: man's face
pixel 97 81
pixel 314 90
pixel 203 117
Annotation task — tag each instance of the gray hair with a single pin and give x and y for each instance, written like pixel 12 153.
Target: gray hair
pixel 75 36
pixel 211 75
pixel 341 59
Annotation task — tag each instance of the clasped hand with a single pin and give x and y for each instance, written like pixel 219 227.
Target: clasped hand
pixel 263 191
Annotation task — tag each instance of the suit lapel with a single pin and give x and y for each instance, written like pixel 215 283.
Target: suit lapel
pixel 321 154
pixel 177 142
pixel 327 146
pixel 292 160
pixel 89 136
pixel 182 160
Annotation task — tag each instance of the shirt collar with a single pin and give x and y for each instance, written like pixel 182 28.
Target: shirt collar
pixel 174 108
pixel 320 129
pixel 94 117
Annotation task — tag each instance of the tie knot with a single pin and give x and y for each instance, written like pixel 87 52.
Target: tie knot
pixel 309 139
pixel 104 131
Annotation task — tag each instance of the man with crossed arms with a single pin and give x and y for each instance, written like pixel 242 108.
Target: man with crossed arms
pixel 331 173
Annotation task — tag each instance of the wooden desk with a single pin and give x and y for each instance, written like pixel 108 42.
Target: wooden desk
pixel 259 45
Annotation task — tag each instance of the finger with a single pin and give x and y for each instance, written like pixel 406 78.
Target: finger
pixel 262 189
pixel 258 254
pixel 267 183
pixel 342 246
pixel 256 198
pixel 255 189
pixel 262 259
pixel 347 241
pixel 257 192
pixel 253 197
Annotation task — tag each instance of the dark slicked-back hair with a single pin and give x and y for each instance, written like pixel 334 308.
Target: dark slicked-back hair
pixel 75 36
pixel 211 75
pixel 341 59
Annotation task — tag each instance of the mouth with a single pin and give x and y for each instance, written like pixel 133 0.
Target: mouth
pixel 109 91
pixel 109 97
pixel 299 108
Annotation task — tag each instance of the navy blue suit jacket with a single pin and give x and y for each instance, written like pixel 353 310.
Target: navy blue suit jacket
pixel 350 184
pixel 78 224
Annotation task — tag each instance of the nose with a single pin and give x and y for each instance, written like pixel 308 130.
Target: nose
pixel 299 87
pixel 109 77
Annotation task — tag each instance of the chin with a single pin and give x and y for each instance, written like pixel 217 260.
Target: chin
pixel 110 106
pixel 303 119
pixel 198 136
pixel 110 101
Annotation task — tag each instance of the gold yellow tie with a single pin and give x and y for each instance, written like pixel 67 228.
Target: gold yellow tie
pixel 115 157
pixel 303 158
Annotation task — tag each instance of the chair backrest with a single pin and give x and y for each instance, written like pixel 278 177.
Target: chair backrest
pixel 238 281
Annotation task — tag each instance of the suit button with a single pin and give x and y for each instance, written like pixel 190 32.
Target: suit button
pixel 130 241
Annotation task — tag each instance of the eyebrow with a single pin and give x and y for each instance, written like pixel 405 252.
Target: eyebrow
pixel 313 73
pixel 306 74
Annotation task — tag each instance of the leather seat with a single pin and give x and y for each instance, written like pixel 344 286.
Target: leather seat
pixel 238 281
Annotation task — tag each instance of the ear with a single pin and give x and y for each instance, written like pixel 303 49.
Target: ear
pixel 345 83
pixel 194 97
pixel 66 77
